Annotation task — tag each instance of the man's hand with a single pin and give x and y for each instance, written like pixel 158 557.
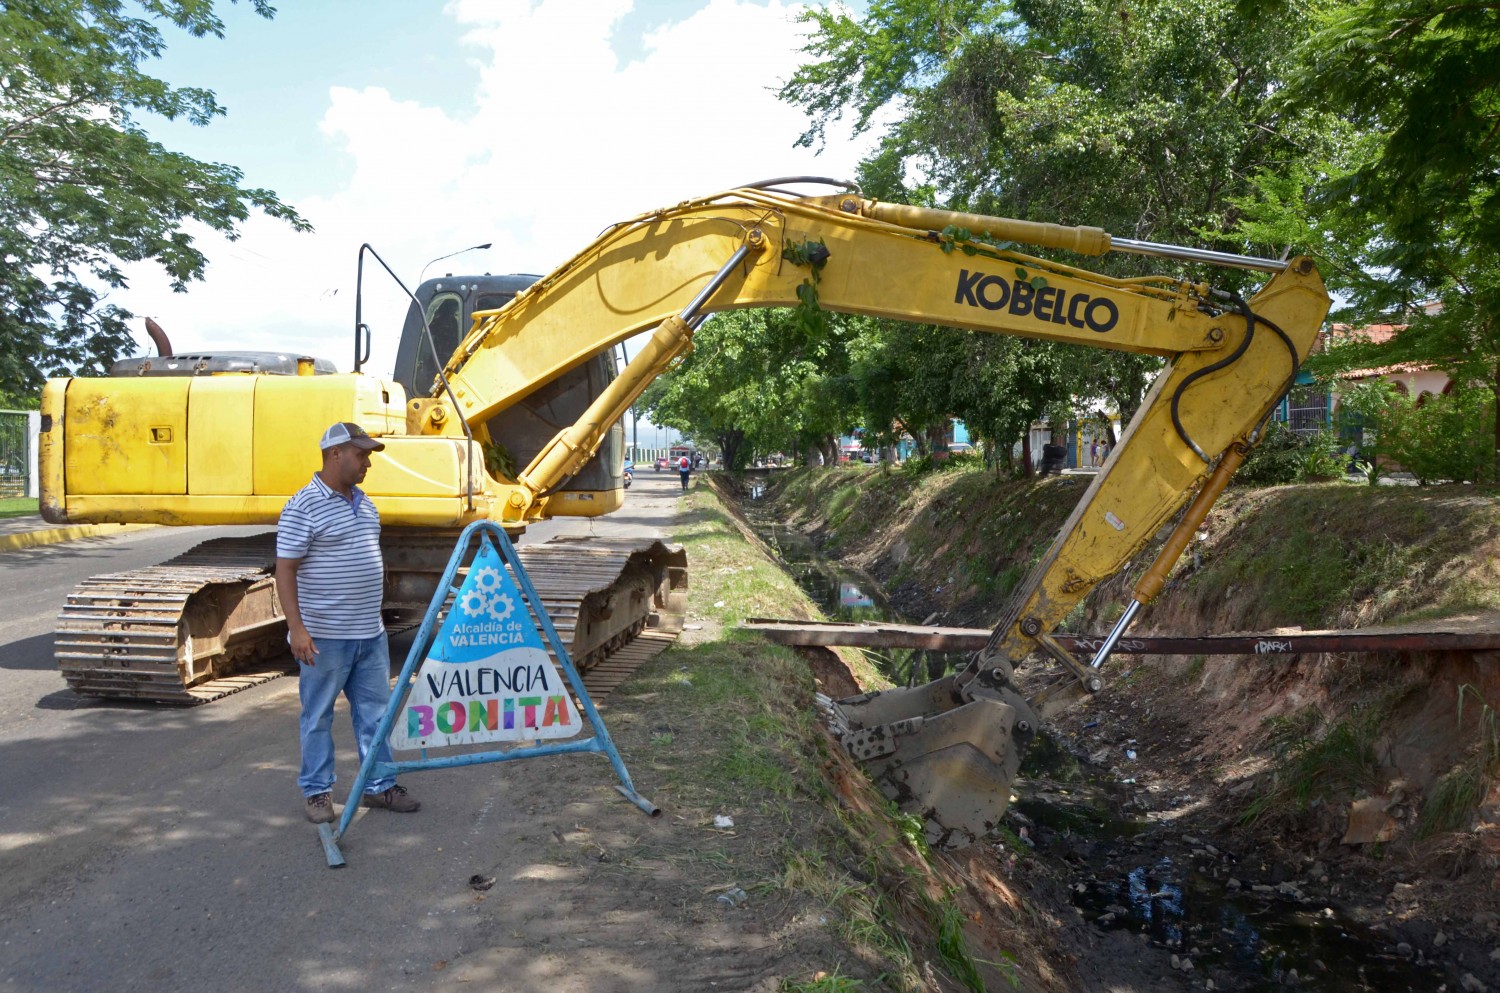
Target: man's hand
pixel 303 648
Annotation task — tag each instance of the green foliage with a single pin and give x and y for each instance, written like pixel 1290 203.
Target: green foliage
pixel 84 189
pixel 1463 788
pixel 1402 203
pixel 1283 456
pixel 1362 406
pixel 1274 461
pixel 1143 121
pixel 19 401
pixel 1453 800
pixel 962 462
pixel 953 950
pixel 911 831
pixel 904 376
pixel 965 241
pixel 498 461
pixel 1312 767
pixel 1319 457
pixel 916 467
pixel 1147 122
pixel 813 256
pixel 1448 437
pixel 758 380
pixel 1418 81
pixel 832 982
pixel 1445 437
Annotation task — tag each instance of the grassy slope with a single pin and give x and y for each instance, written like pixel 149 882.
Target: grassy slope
pixel 727 724
pixel 956 543
pixel 1328 555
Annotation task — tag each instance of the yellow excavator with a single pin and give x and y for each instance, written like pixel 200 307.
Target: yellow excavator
pixel 231 448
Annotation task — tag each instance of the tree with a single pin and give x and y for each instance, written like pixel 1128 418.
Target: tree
pixel 903 378
pixel 1405 206
pixel 1007 385
pixel 84 189
pixel 1146 118
pixel 759 380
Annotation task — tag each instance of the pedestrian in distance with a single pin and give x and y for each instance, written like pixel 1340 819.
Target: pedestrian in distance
pixel 683 468
pixel 330 579
pixel 1094 453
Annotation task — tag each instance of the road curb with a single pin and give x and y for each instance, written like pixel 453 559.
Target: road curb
pixel 51 536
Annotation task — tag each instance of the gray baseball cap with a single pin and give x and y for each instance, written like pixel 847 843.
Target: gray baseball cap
pixel 349 433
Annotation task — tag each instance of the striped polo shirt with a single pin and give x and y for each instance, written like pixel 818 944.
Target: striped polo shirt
pixel 341 577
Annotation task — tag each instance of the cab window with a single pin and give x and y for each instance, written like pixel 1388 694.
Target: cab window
pixel 444 316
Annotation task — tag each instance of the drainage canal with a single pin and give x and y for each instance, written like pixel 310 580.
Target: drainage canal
pixel 1225 924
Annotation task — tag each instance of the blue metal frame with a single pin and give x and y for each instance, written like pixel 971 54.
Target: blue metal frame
pixel 371 767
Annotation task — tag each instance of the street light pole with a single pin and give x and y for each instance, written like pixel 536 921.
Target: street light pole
pixel 471 248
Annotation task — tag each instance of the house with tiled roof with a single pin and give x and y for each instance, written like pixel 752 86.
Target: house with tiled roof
pixel 1307 408
pixel 1414 379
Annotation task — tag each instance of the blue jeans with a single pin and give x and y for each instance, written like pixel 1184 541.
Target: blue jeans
pixel 360 668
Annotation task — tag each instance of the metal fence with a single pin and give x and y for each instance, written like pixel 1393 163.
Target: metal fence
pixel 16 457
pixel 1307 410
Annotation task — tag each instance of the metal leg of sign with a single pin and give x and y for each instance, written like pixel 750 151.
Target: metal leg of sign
pixel 330 847
pixel 601 733
pixel 372 767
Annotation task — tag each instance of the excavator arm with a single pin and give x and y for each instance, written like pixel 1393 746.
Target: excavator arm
pixel 951 748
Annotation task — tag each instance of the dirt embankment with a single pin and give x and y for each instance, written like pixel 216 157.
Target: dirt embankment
pixel 1371 779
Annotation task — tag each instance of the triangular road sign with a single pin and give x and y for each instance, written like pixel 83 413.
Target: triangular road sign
pixel 487 676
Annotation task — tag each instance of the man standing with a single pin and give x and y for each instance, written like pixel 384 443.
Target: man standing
pixel 684 467
pixel 330 580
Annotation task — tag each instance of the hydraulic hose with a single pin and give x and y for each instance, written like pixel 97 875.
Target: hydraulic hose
pixel 1192 378
pixel 1252 319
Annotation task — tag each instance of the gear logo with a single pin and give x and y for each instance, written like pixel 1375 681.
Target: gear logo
pixel 473 603
pixel 500 607
pixel 485 596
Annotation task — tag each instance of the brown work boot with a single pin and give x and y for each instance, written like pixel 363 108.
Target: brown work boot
pixel 396 798
pixel 320 808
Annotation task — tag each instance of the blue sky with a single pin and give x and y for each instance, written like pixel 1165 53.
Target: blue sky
pixel 272 77
pixel 424 127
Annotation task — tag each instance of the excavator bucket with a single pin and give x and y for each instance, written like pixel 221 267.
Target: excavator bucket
pixel 951 765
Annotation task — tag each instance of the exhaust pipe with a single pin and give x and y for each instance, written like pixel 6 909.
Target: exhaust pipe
pixel 163 346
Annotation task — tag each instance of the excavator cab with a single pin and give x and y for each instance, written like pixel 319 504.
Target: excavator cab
pixel 450 303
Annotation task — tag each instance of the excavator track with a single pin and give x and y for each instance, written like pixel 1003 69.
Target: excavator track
pixel 207 624
pixel 192 629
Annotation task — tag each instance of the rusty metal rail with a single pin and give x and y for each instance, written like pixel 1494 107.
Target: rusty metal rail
pixel 949 639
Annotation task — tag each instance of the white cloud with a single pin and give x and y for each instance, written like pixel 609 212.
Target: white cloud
pixel 560 139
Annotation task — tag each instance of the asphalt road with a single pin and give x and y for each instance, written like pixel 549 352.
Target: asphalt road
pixel 144 848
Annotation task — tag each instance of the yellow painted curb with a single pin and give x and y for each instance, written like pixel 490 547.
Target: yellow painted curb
pixel 51 536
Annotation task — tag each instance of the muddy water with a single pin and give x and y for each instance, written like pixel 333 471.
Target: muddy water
pixel 1214 908
pixel 1219 921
